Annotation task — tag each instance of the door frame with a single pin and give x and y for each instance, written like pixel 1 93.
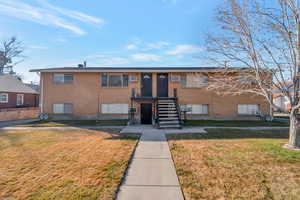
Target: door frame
pixel 157 85
pixel 142 86
pixel 151 112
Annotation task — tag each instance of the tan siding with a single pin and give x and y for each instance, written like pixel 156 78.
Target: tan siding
pixel 86 95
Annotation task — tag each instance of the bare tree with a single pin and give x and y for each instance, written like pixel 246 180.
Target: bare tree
pixel 11 51
pixel 263 37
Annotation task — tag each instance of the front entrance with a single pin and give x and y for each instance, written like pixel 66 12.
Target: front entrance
pixel 146 113
pixel 146 85
pixel 162 85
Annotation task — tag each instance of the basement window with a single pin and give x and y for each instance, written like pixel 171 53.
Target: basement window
pixel 248 109
pixel 64 108
pixel 114 108
pixel 195 109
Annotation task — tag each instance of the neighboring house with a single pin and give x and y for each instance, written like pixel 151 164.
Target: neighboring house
pixel 14 93
pixel 152 95
pixel 282 101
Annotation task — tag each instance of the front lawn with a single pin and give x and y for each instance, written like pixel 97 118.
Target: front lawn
pixel 233 123
pixel 119 122
pixel 63 164
pixel 236 164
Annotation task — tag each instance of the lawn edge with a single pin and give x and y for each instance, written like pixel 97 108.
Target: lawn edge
pixel 126 170
pixel 175 167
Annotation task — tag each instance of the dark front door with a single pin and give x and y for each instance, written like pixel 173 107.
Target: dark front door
pixel 146 85
pixel 162 85
pixel 146 113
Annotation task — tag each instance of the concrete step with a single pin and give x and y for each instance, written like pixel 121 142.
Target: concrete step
pixel 168 115
pixel 167 111
pixel 169 122
pixel 170 126
pixel 168 118
pixel 166 105
pixel 167 108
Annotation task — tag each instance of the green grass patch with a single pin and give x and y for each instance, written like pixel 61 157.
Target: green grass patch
pixel 275 149
pixel 219 133
pixel 233 123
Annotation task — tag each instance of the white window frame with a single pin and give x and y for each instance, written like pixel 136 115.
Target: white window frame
pixel 63 79
pixel 6 98
pixel 202 82
pixel 248 109
pixel 108 78
pixel 196 109
pixel 22 99
pixel 62 111
pixel 114 108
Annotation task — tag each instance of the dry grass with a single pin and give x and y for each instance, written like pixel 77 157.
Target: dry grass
pixel 62 164
pixel 62 123
pixel 235 164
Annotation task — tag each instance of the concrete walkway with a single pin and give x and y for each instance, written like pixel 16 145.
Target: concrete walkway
pixel 151 174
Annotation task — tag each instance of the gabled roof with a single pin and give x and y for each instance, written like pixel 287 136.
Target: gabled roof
pixel 9 83
pixel 140 69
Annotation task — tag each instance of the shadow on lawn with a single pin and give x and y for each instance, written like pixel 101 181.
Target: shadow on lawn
pixel 231 134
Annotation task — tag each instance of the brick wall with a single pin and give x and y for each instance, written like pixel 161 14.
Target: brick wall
pixel 86 95
pixel 10 114
pixel 30 100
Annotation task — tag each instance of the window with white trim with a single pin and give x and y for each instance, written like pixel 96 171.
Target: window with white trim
pixel 63 108
pixel 114 80
pixel 194 80
pixel 20 99
pixel 3 98
pixel 248 109
pixel 62 78
pixel 114 108
pixel 196 109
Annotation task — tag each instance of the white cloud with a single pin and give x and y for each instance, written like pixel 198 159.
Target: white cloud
pixel 157 45
pixel 143 57
pixel 131 47
pixel 184 49
pixel 115 61
pixel 47 14
pixel 38 47
pixel 61 40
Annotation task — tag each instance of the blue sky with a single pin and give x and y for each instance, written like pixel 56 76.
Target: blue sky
pixel 64 33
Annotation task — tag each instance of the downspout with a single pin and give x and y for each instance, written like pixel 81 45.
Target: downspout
pixel 42 93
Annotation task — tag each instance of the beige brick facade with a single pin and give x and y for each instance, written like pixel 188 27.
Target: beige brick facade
pixel 86 95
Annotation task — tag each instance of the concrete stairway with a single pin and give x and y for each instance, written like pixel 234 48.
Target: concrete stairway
pixel 168 113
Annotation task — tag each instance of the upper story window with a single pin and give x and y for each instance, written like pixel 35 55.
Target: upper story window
pixel 114 80
pixel 20 99
pixel 3 98
pixel 62 78
pixel 194 80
